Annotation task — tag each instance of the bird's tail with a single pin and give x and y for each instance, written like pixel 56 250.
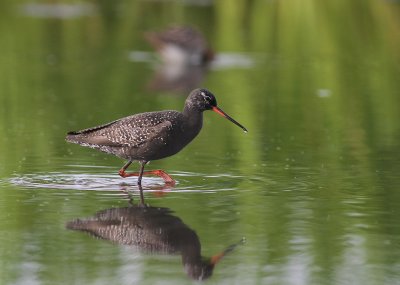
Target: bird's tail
pixel 80 225
pixel 72 137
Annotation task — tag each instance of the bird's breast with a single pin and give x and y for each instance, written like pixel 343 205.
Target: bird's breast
pixel 171 141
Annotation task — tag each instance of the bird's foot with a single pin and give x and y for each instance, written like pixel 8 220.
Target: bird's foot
pixel 164 175
pixel 124 174
pixel 161 173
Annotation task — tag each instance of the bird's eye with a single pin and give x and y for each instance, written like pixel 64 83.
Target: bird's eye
pixel 206 97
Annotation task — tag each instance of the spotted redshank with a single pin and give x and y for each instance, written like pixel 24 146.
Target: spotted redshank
pixel 152 135
pixel 183 45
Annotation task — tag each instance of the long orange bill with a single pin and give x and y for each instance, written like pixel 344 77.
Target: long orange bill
pixel 225 115
pixel 216 258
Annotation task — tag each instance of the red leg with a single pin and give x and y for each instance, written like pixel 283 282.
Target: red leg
pixel 124 174
pixel 164 175
pixel 161 173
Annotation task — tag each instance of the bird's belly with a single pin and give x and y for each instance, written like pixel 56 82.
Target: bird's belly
pixel 153 153
pixel 158 148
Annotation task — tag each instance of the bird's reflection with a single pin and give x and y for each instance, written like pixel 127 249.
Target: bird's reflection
pixel 179 79
pixel 152 230
pixel 185 56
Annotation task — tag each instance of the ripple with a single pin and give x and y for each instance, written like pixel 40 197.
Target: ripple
pixel 110 182
pixel 74 181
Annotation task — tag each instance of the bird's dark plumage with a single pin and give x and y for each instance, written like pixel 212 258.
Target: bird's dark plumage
pixel 152 135
pixel 128 137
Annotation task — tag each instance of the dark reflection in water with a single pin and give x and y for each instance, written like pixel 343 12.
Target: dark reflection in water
pixel 152 230
pixel 185 56
pixel 177 78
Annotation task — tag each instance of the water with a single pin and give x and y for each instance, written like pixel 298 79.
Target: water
pixel 312 187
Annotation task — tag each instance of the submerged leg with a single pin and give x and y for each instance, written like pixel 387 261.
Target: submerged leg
pixel 142 204
pixel 139 180
pixel 161 173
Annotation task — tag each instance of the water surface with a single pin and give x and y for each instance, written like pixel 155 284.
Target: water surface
pixel 313 187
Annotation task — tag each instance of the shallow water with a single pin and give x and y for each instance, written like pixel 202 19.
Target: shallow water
pixel 312 188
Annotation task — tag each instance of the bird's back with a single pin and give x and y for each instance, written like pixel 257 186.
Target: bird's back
pixel 131 137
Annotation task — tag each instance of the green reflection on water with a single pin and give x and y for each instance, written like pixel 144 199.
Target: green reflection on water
pixel 313 186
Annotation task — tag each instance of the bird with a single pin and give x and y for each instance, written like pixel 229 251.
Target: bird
pixel 151 136
pixel 185 58
pixel 182 45
pixel 152 230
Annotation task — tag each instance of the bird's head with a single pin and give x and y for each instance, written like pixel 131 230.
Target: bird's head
pixel 201 100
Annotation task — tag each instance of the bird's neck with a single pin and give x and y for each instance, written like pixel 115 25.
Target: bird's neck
pixel 193 119
pixel 192 114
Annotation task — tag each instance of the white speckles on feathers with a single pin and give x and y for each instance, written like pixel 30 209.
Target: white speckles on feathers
pixel 131 131
pixel 148 136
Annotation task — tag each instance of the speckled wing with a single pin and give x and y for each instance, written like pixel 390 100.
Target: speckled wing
pixel 130 131
pixel 89 136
